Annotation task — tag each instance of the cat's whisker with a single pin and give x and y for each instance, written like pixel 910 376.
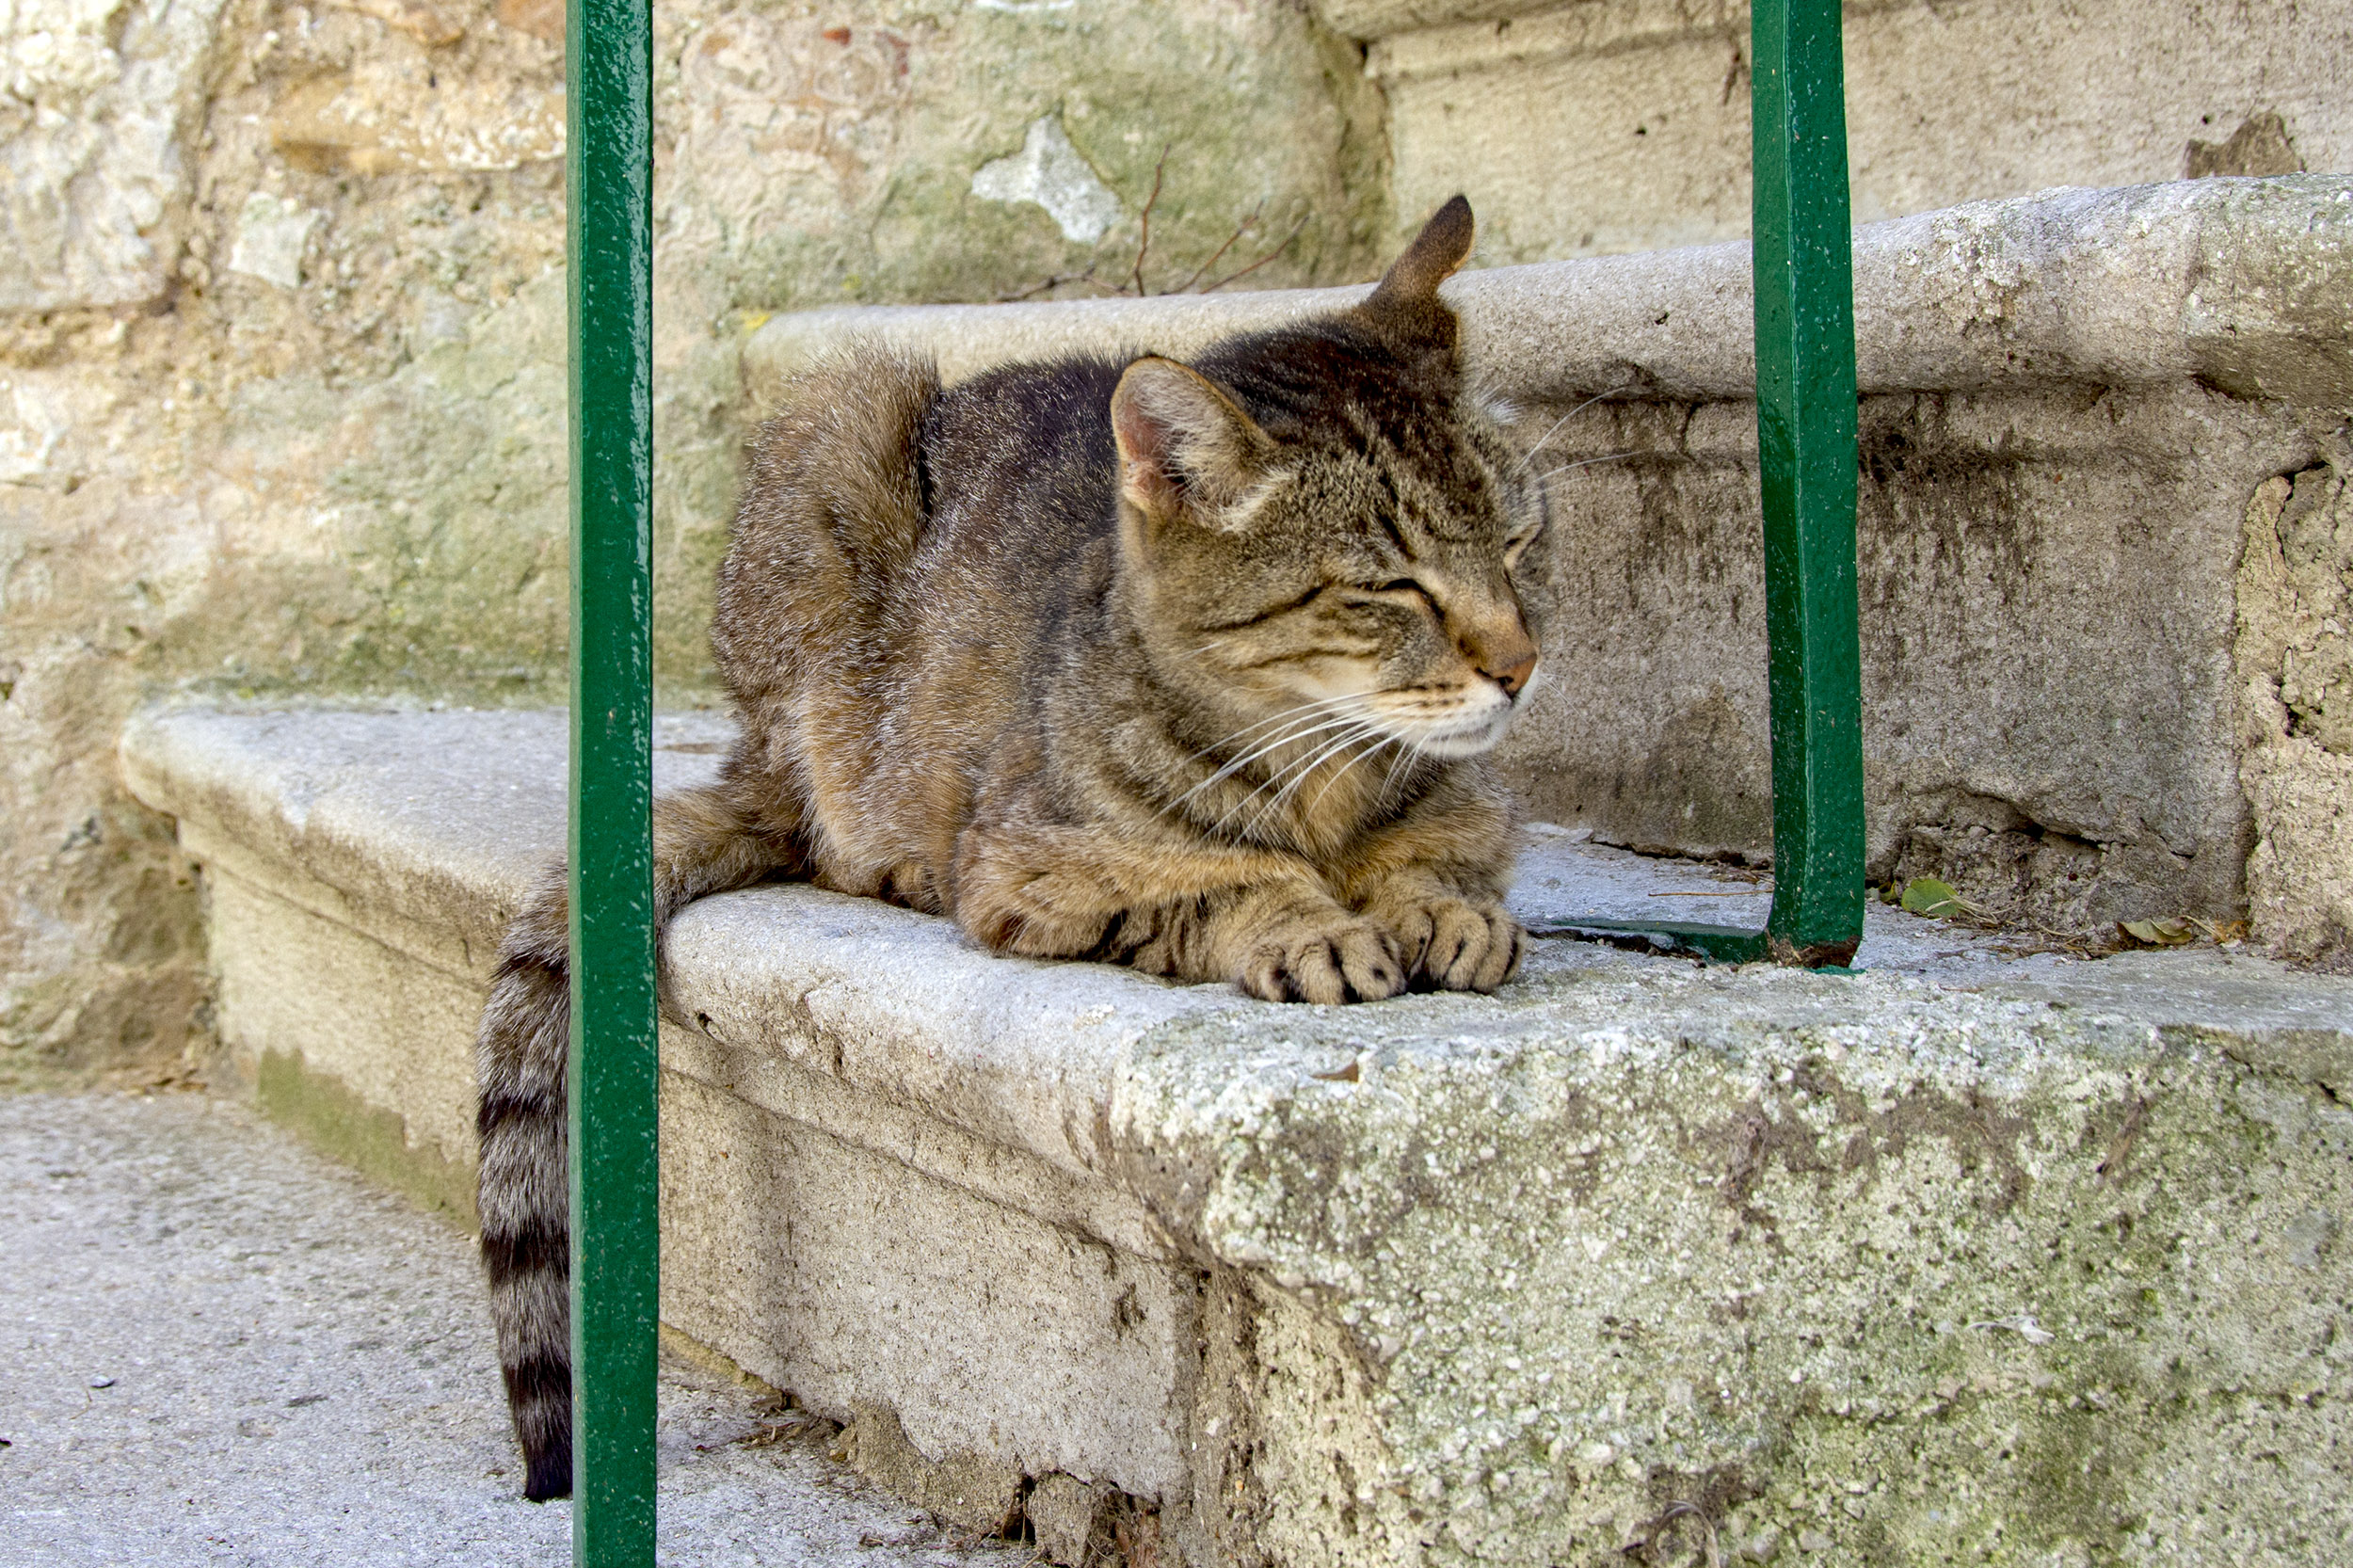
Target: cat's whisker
pixel 1236 808
pixel 1320 708
pixel 1307 772
pixel 1321 726
pixel 1421 752
pixel 1335 779
pixel 1406 755
pixel 1296 770
pixel 1530 456
pixel 1287 714
pixel 1312 724
pixel 1320 758
pixel 1582 462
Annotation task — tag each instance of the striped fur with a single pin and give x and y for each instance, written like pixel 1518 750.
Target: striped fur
pixel 702 845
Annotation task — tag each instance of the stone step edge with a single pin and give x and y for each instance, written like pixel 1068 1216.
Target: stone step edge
pixel 1041 1058
pixel 2246 285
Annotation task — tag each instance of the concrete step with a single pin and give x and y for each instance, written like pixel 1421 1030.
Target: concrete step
pixel 2105 545
pixel 1941 105
pixel 2038 1259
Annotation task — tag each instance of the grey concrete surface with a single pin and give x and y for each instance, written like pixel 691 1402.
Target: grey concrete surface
pixel 220 1348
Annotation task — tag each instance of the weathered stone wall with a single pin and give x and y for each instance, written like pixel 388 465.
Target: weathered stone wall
pixel 2294 664
pixel 2049 709
pixel 1588 127
pixel 282 388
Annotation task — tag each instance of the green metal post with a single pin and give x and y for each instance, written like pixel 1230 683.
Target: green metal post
pixel 1806 419
pixel 1805 427
pixel 612 1073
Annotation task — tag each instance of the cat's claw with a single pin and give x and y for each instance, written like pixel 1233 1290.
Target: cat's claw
pixel 1335 964
pixel 1453 944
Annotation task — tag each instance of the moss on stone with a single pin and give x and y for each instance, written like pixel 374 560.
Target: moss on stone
pixel 374 1142
pixel 1942 1276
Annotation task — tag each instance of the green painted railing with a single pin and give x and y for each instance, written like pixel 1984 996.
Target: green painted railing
pixel 1806 441
pixel 1805 429
pixel 616 1238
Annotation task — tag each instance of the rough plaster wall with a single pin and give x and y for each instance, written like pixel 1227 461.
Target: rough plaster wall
pixel 95 96
pixel 282 395
pixel 2294 664
pixel 1615 126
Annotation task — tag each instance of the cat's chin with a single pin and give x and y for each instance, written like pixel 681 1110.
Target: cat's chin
pixel 1470 741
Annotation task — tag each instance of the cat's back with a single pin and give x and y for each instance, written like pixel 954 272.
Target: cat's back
pixel 874 499
pixel 1019 476
pixel 828 520
pixel 1020 466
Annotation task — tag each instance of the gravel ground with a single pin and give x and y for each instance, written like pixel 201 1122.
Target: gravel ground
pixel 217 1347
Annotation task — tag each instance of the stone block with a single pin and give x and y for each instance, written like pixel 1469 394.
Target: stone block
pixel 2296 668
pixel 2038 1257
pixel 1071 1518
pixel 1595 126
pixel 94 173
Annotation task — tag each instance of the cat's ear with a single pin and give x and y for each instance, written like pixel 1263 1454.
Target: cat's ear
pixel 1406 302
pixel 1183 445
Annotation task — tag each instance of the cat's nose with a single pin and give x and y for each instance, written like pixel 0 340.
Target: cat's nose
pixel 1512 677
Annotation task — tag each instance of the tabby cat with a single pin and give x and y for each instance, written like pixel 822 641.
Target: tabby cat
pixel 1182 667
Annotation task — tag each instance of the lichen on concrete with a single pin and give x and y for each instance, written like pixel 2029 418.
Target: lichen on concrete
pixel 369 1139
pixel 1913 1273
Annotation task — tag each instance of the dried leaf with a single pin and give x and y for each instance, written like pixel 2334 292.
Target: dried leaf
pixel 1925 895
pixel 2158 933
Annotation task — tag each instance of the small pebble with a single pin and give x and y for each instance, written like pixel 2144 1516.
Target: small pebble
pixel 102 1382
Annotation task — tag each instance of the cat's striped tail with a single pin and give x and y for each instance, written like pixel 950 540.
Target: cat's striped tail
pixel 703 844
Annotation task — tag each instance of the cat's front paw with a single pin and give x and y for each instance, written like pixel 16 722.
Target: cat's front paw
pixel 1345 960
pixel 1452 944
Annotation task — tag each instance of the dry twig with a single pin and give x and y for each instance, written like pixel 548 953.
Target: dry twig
pixel 1219 254
pixel 1143 238
pixel 1135 286
pixel 1237 277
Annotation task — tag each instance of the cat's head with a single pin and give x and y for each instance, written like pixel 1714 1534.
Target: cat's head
pixel 1318 530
